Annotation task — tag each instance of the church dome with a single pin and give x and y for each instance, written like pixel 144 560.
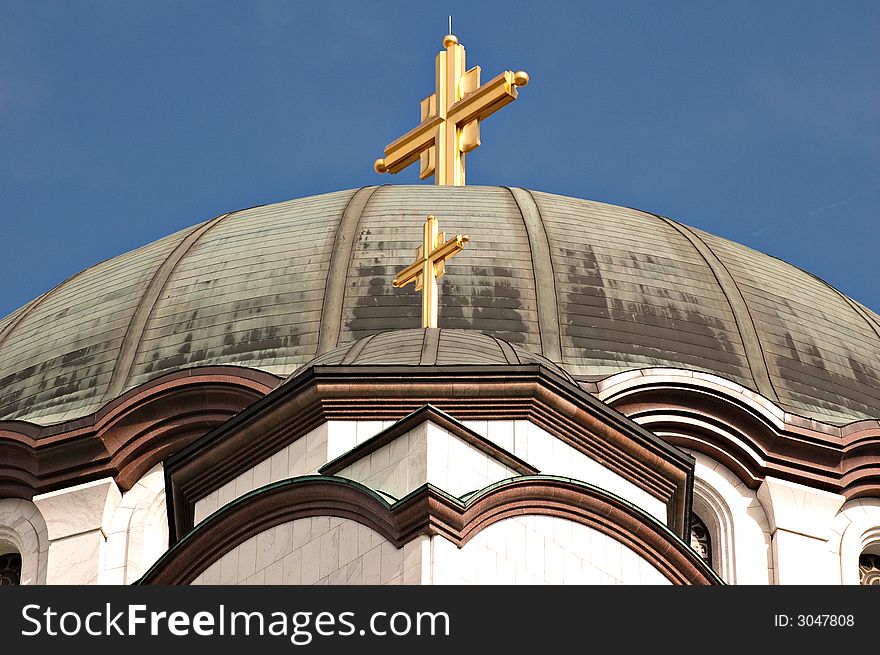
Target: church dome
pixel 432 347
pixel 595 288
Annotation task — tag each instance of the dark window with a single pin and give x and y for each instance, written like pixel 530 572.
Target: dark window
pixel 869 569
pixel 700 539
pixel 10 569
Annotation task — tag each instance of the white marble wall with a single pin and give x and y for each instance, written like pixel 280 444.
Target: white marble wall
pixel 738 523
pixel 78 521
pixel 427 454
pixel 521 550
pixel 801 520
pixel 540 550
pixel 554 457
pixel 138 530
pixel 318 550
pixel 856 529
pixel 303 457
pixel 23 530
pixel 522 438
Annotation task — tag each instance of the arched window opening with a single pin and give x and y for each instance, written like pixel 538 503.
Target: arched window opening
pixel 10 569
pixel 700 539
pixel 869 569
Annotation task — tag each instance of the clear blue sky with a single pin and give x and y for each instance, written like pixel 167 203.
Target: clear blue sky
pixel 121 122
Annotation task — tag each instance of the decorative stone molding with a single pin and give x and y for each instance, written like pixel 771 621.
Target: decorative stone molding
pixel 856 530
pixel 740 531
pixel 528 392
pixel 797 508
pixel 801 523
pixel 428 511
pixel 78 520
pixel 748 433
pixel 23 530
pixel 138 530
pixel 129 435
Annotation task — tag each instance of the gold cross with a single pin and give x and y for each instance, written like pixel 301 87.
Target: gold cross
pixel 427 268
pixel 451 117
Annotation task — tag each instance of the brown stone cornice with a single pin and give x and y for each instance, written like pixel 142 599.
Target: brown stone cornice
pixel 128 435
pixel 841 459
pixel 527 392
pixel 429 511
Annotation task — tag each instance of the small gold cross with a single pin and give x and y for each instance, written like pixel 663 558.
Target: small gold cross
pixel 427 268
pixel 451 117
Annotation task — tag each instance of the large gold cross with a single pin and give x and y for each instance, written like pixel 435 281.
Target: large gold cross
pixel 451 117
pixel 428 267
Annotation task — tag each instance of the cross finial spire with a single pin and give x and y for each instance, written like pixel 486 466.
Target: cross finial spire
pixel 451 116
pixel 430 264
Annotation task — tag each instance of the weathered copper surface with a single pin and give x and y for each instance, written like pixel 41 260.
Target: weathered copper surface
pixel 629 290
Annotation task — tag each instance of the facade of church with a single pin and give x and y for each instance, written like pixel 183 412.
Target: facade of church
pixel 611 397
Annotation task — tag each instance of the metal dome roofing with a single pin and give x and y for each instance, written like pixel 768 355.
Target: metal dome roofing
pixel 431 347
pixel 596 288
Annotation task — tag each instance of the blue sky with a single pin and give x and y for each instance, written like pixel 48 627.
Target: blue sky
pixel 121 122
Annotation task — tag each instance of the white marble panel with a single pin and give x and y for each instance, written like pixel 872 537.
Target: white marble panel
pixel 320 550
pixel 427 453
pixel 303 457
pixel 299 458
pixel 800 560
pixel 737 523
pixel 138 530
pixel 76 560
pixel 81 508
pixel 556 551
pixel 798 508
pixel 554 457
pixel 207 506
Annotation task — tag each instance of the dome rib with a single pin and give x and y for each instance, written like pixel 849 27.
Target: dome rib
pixel 6 332
pixel 430 348
pixel 741 314
pixel 355 349
pixel 340 258
pixel 875 327
pixel 508 351
pixel 132 340
pixel 545 277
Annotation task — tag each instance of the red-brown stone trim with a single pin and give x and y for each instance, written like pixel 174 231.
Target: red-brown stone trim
pixel 441 419
pixel 429 511
pixel 128 436
pixel 528 392
pixel 844 460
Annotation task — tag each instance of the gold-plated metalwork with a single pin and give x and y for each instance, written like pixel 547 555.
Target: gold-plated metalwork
pixel 428 267
pixel 451 116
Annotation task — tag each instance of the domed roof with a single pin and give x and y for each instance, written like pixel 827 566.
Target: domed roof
pixel 596 288
pixel 431 347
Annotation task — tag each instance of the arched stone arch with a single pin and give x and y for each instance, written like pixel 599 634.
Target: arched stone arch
pixel 138 530
pixel 710 507
pixel 858 528
pixel 429 512
pixel 737 522
pixel 23 530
